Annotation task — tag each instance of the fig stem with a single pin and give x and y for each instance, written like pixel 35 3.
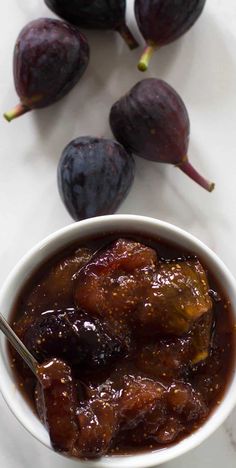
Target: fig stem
pixel 17 111
pixel 128 36
pixel 189 170
pixel 146 57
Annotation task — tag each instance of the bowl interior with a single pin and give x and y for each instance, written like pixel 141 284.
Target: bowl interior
pixel 78 232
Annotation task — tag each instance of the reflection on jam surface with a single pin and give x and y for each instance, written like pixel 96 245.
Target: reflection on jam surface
pixel 135 342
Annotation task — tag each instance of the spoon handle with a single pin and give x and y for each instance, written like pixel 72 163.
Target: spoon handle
pixel 18 345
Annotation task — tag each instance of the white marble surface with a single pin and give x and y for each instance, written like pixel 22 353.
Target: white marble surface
pixel 202 67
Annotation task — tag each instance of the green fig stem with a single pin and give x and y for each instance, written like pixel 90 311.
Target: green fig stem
pixel 128 36
pixel 146 57
pixel 189 170
pixel 17 111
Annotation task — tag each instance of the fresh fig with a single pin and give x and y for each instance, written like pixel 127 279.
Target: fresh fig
pixel 94 176
pixel 152 122
pixel 164 21
pixel 49 59
pixel 95 14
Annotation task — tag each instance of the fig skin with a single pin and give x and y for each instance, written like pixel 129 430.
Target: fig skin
pixel 50 57
pixel 94 176
pixel 95 14
pixel 163 21
pixel 151 121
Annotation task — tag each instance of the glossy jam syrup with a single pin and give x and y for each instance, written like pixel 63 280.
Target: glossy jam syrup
pixel 134 381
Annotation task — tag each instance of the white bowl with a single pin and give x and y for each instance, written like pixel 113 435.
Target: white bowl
pixel 79 231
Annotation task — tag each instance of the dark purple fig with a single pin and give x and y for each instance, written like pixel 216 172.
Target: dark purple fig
pixel 94 176
pixel 152 122
pixel 49 59
pixel 95 14
pixel 164 21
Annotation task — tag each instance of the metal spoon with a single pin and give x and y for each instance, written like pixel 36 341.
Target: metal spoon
pixel 18 345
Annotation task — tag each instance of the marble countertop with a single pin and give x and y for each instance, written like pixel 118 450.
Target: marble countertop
pixel 202 68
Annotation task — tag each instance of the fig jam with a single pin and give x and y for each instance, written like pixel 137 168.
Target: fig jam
pixel 135 341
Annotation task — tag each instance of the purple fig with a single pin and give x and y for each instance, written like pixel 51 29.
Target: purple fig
pixel 49 59
pixel 164 21
pixel 95 14
pixel 152 122
pixel 94 176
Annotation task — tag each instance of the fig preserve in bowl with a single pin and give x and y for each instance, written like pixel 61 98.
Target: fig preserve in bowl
pixel 132 321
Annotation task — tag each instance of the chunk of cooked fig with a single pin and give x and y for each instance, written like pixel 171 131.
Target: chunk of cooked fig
pixel 110 286
pixel 171 358
pixel 51 335
pixel 97 340
pixel 72 335
pixel 177 297
pixel 126 284
pixel 165 414
pixel 139 398
pixel 165 359
pixel 57 283
pixel 79 428
pixel 142 410
pixel 186 402
pixel 97 420
pixel 56 402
